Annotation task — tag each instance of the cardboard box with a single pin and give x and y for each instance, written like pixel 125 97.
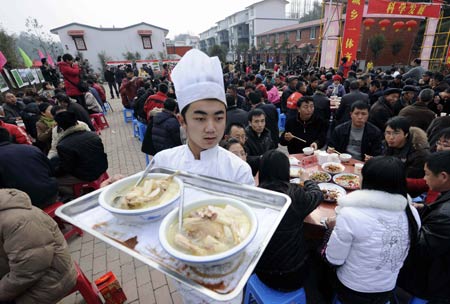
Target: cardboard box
pixel 110 289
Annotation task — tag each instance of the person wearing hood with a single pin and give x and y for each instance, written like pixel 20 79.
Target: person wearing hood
pixel 407 143
pixel 166 128
pixel 407 98
pixel 35 262
pixel 383 109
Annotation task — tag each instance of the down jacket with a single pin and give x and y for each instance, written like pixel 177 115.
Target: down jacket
pixel 71 74
pixel 35 264
pixel 165 131
pixel 370 240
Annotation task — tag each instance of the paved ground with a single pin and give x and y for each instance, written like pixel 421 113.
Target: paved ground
pixel 141 284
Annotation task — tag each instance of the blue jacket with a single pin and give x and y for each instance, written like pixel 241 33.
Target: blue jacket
pixel 165 131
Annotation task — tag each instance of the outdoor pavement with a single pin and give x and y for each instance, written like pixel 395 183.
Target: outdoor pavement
pixel 140 283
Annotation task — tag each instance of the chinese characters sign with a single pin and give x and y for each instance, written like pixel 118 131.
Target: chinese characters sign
pixel 352 29
pixel 404 8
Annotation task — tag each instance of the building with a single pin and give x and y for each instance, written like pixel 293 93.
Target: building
pixel 237 32
pixel 112 43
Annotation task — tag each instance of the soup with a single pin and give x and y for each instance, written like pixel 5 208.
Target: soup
pixel 152 192
pixel 210 230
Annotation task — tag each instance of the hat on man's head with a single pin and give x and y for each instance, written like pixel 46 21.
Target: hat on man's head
pixel 196 77
pixel 337 78
pixel 410 88
pixel 392 91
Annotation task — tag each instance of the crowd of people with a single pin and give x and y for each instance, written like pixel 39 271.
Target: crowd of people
pixel 394 121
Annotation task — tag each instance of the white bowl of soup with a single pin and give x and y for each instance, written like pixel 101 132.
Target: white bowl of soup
pixel 156 196
pixel 215 231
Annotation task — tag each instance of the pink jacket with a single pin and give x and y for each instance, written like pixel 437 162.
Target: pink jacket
pixel 273 96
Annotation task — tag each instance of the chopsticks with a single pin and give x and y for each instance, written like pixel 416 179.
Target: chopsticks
pixel 335 151
pixel 298 138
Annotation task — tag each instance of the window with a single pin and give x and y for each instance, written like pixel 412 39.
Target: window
pixel 312 33
pixel 298 37
pixel 277 38
pixel 286 36
pixel 146 42
pixel 79 43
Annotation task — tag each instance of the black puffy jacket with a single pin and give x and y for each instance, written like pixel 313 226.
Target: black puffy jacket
pixel 165 131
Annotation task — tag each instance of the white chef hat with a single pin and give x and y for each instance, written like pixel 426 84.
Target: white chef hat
pixel 198 76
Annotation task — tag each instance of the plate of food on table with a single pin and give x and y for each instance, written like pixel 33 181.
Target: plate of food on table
pixel 331 192
pixel 333 168
pixel 320 176
pixel 348 181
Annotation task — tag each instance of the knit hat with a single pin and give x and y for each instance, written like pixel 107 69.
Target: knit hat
pixel 337 77
pixel 196 77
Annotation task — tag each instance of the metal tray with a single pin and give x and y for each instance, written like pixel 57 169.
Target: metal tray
pixel 138 240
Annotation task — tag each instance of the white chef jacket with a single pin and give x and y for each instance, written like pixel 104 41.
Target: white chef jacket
pixel 215 162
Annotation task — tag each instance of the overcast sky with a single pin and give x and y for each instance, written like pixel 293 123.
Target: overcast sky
pixel 180 16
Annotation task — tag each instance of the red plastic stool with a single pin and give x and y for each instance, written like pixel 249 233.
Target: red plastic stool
pixel 96 127
pixel 50 210
pixel 85 287
pixel 100 120
pixel 77 188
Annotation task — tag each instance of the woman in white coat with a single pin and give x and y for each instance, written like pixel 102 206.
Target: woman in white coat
pixel 375 227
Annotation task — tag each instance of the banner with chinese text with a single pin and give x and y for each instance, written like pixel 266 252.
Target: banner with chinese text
pixel 404 8
pixel 352 29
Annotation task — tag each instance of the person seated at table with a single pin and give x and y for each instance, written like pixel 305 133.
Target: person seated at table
pixel 35 263
pixel 305 130
pixel 357 137
pixel 80 112
pixel 235 114
pixel 418 114
pixel 270 110
pixel 425 273
pixel 407 143
pixel 343 112
pixel 237 131
pixel 44 127
pixel 284 264
pixel 374 229
pixel 383 109
pixel 234 146
pixel 435 128
pixel 81 155
pixel 258 140
pixel 26 168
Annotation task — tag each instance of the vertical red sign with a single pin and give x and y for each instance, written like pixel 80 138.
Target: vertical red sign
pixel 352 29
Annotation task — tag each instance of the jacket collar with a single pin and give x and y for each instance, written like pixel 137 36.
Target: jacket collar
pixel 76 128
pixel 205 155
pixel 443 198
pixel 373 199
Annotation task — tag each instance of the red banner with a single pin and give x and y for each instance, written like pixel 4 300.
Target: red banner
pixel 432 10
pixel 353 21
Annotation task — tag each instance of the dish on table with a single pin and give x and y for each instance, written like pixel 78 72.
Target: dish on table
pixel 320 177
pixel 333 168
pixel 153 198
pixel 347 180
pixel 214 230
pixel 331 192
pixel 295 171
pixel 293 161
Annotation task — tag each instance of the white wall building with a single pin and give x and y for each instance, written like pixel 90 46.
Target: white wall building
pixel 242 27
pixel 146 39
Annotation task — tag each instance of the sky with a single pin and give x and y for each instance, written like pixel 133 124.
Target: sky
pixel 178 16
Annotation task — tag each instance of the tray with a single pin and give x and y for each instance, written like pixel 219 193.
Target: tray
pixel 221 283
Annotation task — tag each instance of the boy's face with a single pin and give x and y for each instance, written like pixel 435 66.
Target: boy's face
pixel 204 124
pixel 436 182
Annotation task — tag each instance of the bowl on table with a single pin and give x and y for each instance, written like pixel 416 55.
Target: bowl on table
pixel 168 232
pixel 145 212
pixel 308 151
pixel 345 157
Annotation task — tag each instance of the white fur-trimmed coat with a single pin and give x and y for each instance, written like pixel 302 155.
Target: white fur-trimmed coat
pixel 370 240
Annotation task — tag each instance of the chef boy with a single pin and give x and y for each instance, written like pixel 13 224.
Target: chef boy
pixel 199 87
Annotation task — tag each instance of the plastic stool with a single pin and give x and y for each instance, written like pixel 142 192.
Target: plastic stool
pixel 50 210
pixel 135 124
pixel 107 107
pixel 279 112
pixel 96 128
pixel 281 122
pixel 77 188
pixel 142 128
pixel 416 300
pixel 100 120
pixel 263 294
pixel 128 115
pixel 85 287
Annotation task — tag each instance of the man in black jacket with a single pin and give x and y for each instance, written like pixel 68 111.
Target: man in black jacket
pixel 305 130
pixel 383 109
pixel 81 154
pixel 26 168
pixel 357 137
pixel 425 273
pixel 80 112
pixel 259 139
pixel 166 128
pixel 343 112
pixel 111 79
pixel 271 115
pixel 234 114
pixel 292 84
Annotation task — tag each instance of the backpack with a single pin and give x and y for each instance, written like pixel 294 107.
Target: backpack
pixel 139 104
